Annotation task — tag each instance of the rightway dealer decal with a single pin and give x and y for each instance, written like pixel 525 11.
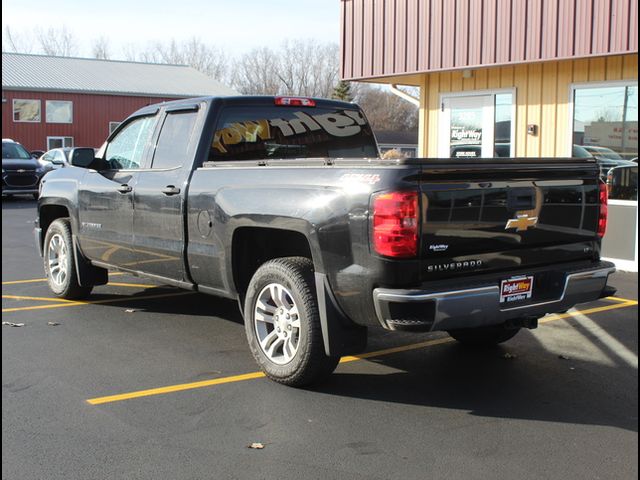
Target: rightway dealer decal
pixel 516 289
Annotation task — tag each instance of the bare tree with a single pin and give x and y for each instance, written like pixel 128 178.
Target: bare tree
pixel 12 42
pixel 207 59
pixel 256 73
pixel 101 48
pixel 298 67
pixel 57 41
pixel 386 111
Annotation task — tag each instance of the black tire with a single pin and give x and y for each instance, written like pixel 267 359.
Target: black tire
pixel 63 286
pixel 309 364
pixel 484 336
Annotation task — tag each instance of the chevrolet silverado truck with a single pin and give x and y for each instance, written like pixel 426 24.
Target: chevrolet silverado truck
pixel 283 204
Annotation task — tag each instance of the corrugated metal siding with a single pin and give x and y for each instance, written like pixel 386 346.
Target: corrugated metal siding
pixel 394 37
pixel 542 93
pixel 91 117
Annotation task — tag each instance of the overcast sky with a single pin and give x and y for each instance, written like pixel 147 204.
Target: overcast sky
pixel 235 25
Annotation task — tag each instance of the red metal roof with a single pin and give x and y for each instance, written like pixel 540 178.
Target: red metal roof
pixel 394 37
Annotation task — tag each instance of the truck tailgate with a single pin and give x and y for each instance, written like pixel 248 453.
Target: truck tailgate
pixel 506 214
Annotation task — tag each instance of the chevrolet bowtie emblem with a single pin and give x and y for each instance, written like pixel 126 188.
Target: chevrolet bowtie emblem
pixel 521 222
pixel 21 170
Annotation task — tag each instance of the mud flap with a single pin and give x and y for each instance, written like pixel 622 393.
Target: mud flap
pixel 341 336
pixel 88 275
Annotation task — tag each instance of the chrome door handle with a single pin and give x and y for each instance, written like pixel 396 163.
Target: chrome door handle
pixel 124 188
pixel 171 190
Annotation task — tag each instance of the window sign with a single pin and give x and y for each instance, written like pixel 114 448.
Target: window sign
pixel 26 110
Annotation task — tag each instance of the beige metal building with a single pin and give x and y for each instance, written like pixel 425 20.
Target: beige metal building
pixel 521 78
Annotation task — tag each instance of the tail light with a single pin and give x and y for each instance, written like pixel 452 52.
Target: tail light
pixel 395 224
pixel 604 210
pixel 294 101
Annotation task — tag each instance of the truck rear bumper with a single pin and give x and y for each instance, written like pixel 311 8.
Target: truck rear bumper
pixel 478 306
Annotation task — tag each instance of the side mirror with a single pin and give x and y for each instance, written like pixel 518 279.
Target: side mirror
pixel 82 157
pixel 57 162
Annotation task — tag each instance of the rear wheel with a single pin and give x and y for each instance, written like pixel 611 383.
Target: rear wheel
pixel 484 336
pixel 283 324
pixel 59 262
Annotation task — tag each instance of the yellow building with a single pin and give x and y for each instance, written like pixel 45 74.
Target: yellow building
pixel 520 78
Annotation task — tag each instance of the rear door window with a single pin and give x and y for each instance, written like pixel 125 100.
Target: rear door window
pixel 175 138
pixel 274 132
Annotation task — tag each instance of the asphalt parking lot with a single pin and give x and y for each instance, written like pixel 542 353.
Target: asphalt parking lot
pixel 150 382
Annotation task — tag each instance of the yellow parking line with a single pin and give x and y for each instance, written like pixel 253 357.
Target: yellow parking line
pixel 618 299
pixel 39 299
pixel 175 388
pixel 354 358
pixel 97 302
pixel 560 316
pixel 36 280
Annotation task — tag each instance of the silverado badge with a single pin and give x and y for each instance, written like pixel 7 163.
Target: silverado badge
pixel 521 222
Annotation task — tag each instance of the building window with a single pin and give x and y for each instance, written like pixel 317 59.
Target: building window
pixel 59 142
pixel 605 126
pixel 59 111
pixel 113 126
pixel 477 124
pixel 26 110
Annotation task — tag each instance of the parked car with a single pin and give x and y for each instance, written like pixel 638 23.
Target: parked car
pixel 284 205
pixel 622 182
pixel 21 173
pixel 602 152
pixel 605 164
pixel 55 158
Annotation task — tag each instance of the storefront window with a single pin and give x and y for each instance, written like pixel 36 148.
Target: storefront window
pixel 502 127
pixel 477 125
pixel 605 125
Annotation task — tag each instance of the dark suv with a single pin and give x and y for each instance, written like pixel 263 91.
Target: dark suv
pixel 21 173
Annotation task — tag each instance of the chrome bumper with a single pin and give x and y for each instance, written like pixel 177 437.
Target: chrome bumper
pixel 480 306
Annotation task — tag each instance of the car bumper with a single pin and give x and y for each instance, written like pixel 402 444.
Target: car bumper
pixel 19 191
pixel 479 305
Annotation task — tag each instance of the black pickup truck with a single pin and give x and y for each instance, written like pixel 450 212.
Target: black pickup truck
pixel 283 204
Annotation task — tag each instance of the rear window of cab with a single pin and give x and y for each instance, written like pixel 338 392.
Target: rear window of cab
pixel 273 132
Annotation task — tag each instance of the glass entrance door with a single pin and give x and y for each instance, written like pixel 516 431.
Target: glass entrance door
pixel 475 126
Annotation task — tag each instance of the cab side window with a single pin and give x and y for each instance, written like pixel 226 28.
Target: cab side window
pixel 175 138
pixel 126 149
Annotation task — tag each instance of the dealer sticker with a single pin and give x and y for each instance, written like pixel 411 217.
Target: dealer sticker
pixel 516 289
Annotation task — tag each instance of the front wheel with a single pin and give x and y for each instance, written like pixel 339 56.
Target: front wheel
pixel 283 324
pixel 59 262
pixel 484 336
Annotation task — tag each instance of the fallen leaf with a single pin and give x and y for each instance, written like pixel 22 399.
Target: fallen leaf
pixel 563 357
pixel 510 356
pixel 11 324
pixel 130 310
pixel 53 324
pixel 256 446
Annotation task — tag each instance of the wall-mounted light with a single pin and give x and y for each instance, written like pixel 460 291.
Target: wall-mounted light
pixel 532 129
